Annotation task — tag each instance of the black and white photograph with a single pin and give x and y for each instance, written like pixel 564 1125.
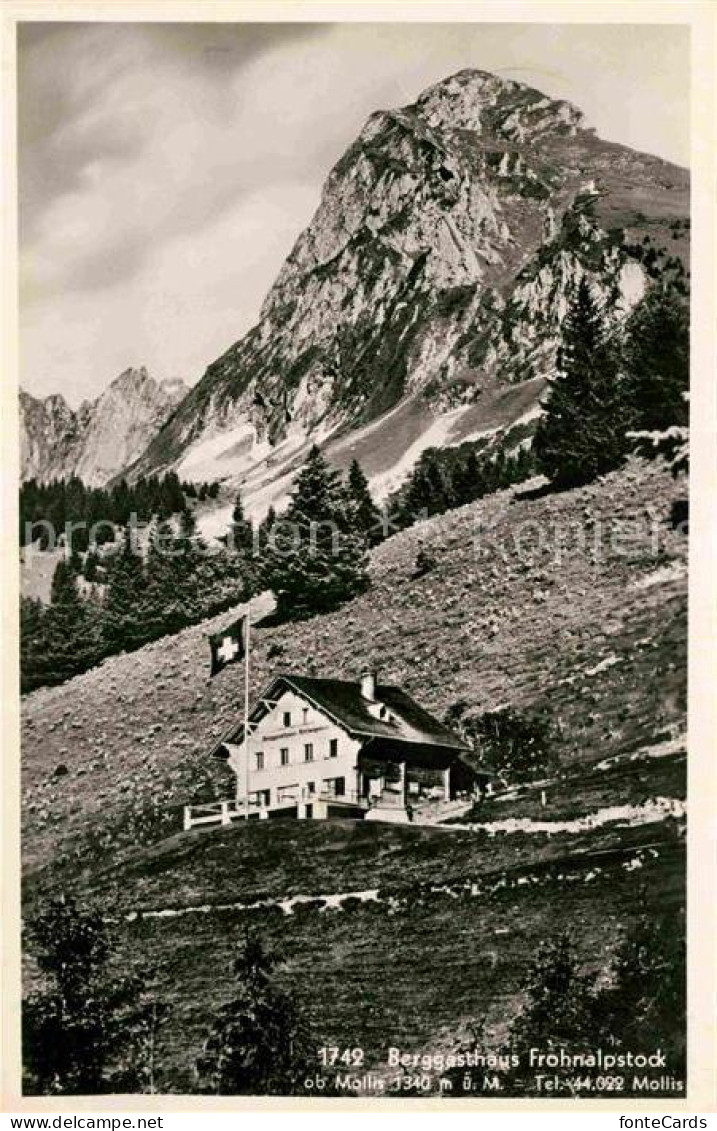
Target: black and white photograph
pixel 353 525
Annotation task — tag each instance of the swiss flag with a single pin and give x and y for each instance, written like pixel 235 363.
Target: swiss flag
pixel 228 646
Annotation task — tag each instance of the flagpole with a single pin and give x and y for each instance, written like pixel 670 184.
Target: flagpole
pixel 246 709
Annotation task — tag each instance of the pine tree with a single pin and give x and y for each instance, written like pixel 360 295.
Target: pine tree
pixel 656 355
pixel 70 637
pixel 92 561
pixel 35 663
pixel 241 533
pixel 258 1044
pixel 84 1031
pixel 583 431
pixel 425 492
pixel 467 480
pixel 557 1009
pixel 368 518
pixel 643 1005
pixel 123 628
pixel 315 557
pixel 161 608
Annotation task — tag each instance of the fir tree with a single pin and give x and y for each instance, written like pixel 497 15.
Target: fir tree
pixel 656 357
pixel 70 638
pixel 241 533
pixel 258 1044
pixel 162 607
pixel 368 518
pixel 583 431
pixel 92 561
pixel 84 1031
pixel 315 558
pixel 467 482
pixel 35 662
pixel 643 1006
pixel 122 623
pixel 557 1008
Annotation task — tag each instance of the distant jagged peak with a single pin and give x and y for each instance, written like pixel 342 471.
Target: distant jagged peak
pixel 54 404
pixel 483 102
pixel 103 436
pixel 136 381
pixel 131 378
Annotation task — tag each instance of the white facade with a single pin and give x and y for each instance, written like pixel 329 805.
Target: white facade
pixel 297 756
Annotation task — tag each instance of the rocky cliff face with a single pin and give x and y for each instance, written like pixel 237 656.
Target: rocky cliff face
pixel 100 439
pixel 438 266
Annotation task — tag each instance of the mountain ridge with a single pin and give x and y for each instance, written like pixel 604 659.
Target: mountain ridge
pixel 102 436
pixel 448 241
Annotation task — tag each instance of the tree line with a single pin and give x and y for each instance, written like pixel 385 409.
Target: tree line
pixel 63 501
pixel 136 594
pixel 446 478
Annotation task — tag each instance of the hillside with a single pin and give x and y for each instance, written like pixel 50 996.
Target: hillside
pixel 600 636
pixel 433 277
pixel 395 935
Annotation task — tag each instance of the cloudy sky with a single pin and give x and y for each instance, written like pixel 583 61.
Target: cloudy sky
pixel 166 169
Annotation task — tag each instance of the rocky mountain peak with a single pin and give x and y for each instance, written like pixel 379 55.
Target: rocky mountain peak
pixel 103 436
pixel 447 245
pixel 485 103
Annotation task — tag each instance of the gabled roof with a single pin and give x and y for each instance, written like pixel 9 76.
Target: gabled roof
pixel 343 702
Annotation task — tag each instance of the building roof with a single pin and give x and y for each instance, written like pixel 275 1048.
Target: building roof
pixel 343 702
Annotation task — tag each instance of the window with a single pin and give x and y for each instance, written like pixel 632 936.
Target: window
pixel 309 752
pixel 259 759
pixel 284 756
pixel 310 786
pixel 305 712
pixel 287 718
pixel 333 748
pixel 335 787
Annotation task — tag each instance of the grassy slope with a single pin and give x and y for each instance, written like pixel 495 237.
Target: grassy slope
pixel 483 627
pixel 416 977
pixel 586 634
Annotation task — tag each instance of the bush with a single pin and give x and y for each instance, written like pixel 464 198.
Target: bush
pixel 517 746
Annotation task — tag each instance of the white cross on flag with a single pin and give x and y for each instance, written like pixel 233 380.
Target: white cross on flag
pixel 228 646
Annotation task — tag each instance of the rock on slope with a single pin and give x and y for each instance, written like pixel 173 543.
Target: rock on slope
pixel 103 437
pixel 448 241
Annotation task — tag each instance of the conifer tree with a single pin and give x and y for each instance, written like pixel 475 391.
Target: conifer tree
pixel 368 518
pixel 122 625
pixel 35 663
pixel 241 533
pixel 84 1030
pixel 656 356
pixel 91 566
pixel 70 637
pixel 467 480
pixel 258 1044
pixel 161 607
pixel 315 557
pixel 582 434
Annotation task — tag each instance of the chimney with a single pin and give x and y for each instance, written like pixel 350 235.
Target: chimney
pixel 368 684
